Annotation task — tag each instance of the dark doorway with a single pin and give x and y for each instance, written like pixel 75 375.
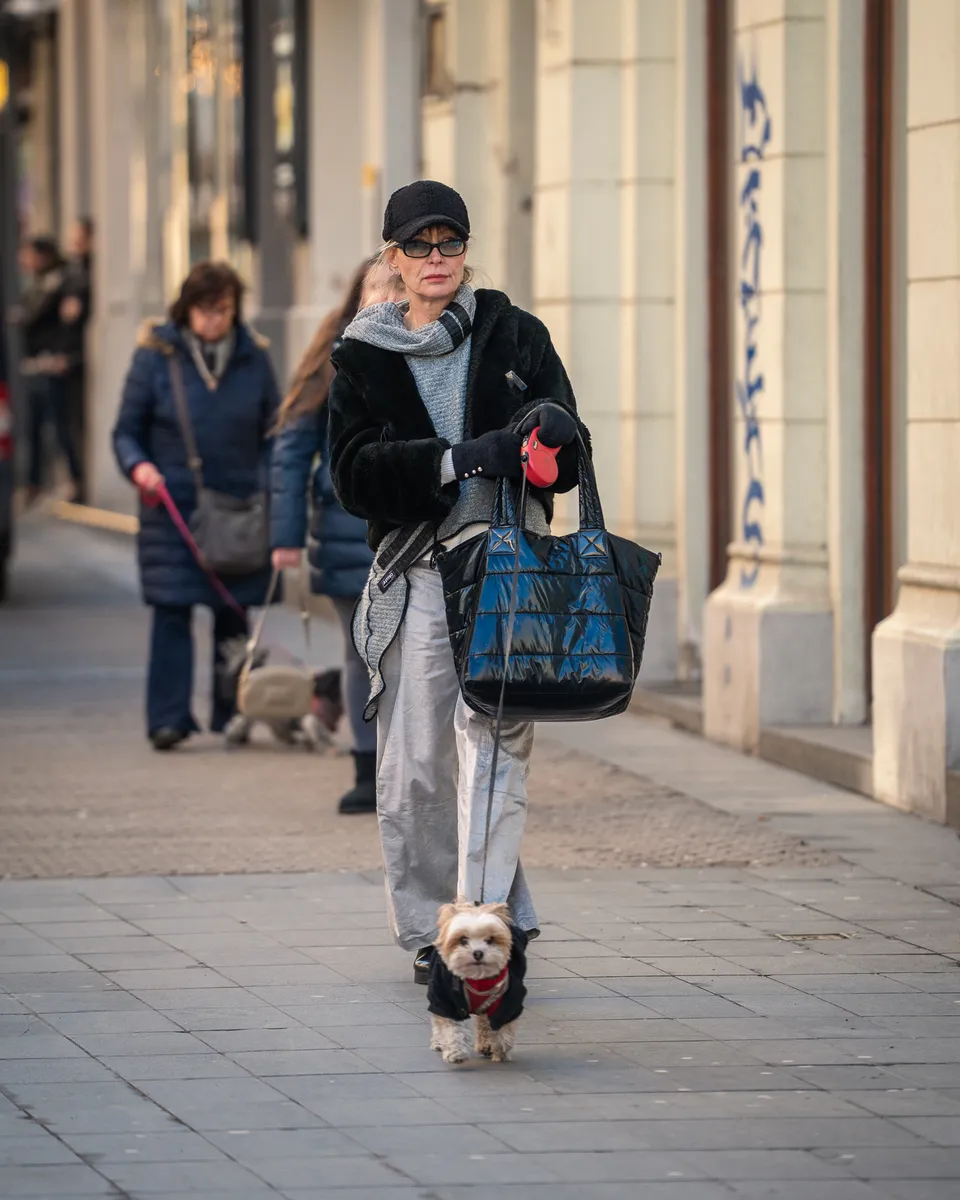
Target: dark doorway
pixel 719 171
pixel 879 566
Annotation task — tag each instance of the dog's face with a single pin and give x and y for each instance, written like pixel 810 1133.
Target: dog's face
pixel 474 939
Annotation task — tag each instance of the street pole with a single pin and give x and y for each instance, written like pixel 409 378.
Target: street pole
pixel 9 213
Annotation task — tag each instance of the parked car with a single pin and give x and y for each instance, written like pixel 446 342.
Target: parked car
pixel 6 465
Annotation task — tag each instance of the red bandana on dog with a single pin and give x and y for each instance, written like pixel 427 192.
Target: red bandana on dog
pixel 484 995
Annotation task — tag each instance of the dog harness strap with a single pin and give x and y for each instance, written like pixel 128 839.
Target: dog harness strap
pixel 484 995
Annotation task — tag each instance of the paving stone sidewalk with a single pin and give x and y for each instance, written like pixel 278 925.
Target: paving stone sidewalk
pixel 788 1030
pixel 691 1035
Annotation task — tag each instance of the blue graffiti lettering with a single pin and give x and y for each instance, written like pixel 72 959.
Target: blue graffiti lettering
pixel 755 134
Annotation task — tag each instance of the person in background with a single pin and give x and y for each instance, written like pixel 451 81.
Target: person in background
pixel 232 399
pixel 337 547
pixel 75 309
pixel 44 364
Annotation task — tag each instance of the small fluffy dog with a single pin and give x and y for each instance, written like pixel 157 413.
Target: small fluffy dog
pixel 477 971
pixel 315 730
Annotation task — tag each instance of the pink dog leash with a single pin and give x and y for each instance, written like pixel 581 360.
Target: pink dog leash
pixel 162 496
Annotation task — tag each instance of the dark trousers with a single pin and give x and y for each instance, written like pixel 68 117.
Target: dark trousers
pixel 48 399
pixel 170 675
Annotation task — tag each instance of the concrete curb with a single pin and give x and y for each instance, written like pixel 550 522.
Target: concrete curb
pixel 93 518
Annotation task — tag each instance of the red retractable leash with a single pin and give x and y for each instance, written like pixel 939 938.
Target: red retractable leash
pixel 162 496
pixel 539 461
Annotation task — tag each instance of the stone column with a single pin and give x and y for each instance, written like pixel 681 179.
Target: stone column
pixel 639 412
pixel 389 104
pixel 364 138
pixel 577 204
pixel 845 350
pixel 690 346
pixel 768 652
pixel 478 130
pixel 116 313
pixel 916 651
pixel 73 121
pixel 512 45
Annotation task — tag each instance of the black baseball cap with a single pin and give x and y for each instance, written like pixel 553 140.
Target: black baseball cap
pixel 421 204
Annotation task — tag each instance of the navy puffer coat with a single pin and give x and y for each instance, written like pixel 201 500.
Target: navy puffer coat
pixel 231 424
pixel 337 545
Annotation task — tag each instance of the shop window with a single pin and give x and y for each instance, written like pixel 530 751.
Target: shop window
pixel 289 44
pixel 215 141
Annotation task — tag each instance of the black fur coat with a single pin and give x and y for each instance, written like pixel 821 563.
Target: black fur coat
pixel 384 451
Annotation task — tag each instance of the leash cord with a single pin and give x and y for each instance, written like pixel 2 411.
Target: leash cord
pixel 507 647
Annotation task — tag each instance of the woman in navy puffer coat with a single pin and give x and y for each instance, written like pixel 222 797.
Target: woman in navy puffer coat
pixel 232 399
pixel 337 544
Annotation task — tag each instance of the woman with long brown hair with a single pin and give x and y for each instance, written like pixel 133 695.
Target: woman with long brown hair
pixel 337 551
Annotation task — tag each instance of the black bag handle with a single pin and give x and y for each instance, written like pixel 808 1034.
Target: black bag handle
pixel 591 510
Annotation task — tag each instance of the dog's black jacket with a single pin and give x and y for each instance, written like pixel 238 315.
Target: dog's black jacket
pixel 446 996
pixel 384 451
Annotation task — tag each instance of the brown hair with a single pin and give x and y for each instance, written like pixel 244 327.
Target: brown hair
pixel 207 282
pixel 312 378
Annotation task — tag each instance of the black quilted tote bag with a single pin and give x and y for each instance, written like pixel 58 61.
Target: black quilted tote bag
pixel 568 614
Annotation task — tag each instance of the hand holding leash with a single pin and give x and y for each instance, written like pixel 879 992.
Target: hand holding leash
pixel 147 478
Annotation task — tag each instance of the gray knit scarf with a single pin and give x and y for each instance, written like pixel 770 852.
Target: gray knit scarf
pixel 437 354
pixel 211 358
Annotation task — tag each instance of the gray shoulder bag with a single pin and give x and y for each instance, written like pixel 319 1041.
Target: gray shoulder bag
pixel 233 535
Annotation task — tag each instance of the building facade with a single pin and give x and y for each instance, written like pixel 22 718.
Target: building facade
pixel 740 220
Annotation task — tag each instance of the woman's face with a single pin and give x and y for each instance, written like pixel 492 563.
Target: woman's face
pixel 210 322
pixel 435 277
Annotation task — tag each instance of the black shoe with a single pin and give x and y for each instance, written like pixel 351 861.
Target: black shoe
pixel 422 964
pixel 166 738
pixel 362 797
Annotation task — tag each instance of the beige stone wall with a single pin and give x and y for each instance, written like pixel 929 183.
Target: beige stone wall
pixel 917 650
pixel 605 259
pixel 768 648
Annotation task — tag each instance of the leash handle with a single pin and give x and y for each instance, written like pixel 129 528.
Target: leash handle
pixel 507 647
pixel 254 641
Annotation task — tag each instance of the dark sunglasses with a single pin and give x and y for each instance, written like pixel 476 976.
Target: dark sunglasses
pixel 418 248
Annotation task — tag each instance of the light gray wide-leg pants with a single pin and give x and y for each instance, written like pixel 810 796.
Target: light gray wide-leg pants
pixel 433 775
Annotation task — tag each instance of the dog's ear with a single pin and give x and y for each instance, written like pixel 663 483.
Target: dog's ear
pixel 445 914
pixel 502 911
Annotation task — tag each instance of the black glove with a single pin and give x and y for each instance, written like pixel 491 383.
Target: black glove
pixel 492 454
pixel 558 427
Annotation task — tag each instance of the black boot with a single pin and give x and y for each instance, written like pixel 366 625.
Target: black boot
pixel 362 797
pixel 166 738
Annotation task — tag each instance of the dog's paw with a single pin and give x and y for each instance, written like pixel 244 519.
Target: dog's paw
pixel 237 732
pixel 484 1048
pixel 454 1054
pixel 314 736
pixel 499 1053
